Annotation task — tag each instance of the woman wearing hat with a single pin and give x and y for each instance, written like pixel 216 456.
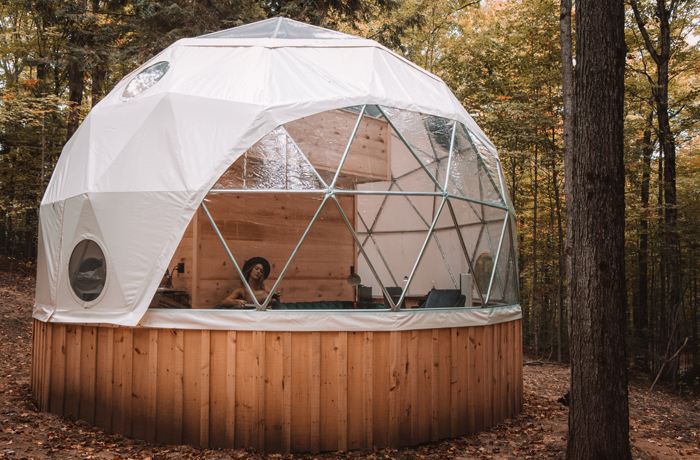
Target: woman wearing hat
pixel 255 270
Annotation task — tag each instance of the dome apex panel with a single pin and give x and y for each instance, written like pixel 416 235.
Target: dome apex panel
pixel 280 28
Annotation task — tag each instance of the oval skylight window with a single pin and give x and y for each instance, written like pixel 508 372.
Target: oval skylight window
pixel 145 79
pixel 87 270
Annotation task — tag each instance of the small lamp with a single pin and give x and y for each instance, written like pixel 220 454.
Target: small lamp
pixel 354 280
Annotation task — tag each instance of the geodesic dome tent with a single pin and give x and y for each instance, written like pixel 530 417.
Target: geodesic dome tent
pixel 317 150
pixel 380 209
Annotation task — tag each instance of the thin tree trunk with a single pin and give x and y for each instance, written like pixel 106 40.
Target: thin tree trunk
pixel 98 76
pixel 696 359
pixel 76 77
pixel 535 300
pixel 567 73
pixel 641 317
pixel 99 69
pixel 663 317
pixel 596 290
pixel 560 234
pixel 75 96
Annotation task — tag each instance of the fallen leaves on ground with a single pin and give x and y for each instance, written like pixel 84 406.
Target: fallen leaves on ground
pixel 662 426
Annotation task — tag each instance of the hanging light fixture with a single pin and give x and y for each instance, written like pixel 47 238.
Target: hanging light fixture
pixel 354 279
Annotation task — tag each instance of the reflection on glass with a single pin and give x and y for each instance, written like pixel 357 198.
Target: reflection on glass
pixel 145 79
pixel 482 271
pixel 273 163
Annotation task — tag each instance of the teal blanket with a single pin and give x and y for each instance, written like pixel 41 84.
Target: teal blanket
pixel 325 305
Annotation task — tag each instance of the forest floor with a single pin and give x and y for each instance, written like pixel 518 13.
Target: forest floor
pixel 663 425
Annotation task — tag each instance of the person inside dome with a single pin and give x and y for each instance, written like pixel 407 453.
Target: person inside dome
pixel 255 270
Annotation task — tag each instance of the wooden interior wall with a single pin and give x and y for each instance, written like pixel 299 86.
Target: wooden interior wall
pixel 323 138
pixel 280 391
pixel 270 226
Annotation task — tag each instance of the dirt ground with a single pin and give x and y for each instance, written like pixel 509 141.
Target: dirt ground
pixel 662 425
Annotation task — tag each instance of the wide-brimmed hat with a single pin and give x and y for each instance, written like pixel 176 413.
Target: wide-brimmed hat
pixel 253 261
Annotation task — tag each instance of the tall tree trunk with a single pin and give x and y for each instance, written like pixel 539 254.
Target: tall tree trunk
pixel 75 96
pixel 661 327
pixel 99 69
pixel 641 316
pixel 560 234
pixel 567 73
pixel 98 77
pixel 567 80
pixel 671 211
pixel 695 346
pixel 661 58
pixel 599 411
pixel 535 300
pixel 41 76
pixel 76 76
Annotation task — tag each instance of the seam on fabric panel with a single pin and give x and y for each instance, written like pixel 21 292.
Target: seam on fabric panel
pixel 58 272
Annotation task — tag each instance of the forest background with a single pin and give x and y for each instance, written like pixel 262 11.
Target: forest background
pixel 501 58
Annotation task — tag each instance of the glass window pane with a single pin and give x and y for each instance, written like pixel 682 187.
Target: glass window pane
pixel 368 160
pixel 87 270
pixel 323 138
pixel 273 163
pixel 145 79
pixel 428 136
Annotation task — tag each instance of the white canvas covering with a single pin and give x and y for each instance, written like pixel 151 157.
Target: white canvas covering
pixel 134 173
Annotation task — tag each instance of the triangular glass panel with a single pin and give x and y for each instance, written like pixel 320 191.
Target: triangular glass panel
pixel 467 213
pixel 428 136
pixel 481 238
pixel 400 213
pixel 492 213
pixel 392 256
pixel 488 172
pixel 464 167
pixel 252 225
pixel 273 163
pixel 320 269
pixel 392 242
pixel 323 138
pixel 369 206
pixel 506 268
pixel 436 270
pixel 487 249
pixel 506 191
pixel 369 159
pixel 441 265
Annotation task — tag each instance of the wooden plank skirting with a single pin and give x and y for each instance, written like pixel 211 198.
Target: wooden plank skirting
pixel 280 391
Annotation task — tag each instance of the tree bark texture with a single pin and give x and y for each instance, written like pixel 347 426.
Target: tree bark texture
pixel 596 290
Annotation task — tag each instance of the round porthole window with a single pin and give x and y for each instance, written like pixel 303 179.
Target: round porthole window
pixel 87 270
pixel 145 79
